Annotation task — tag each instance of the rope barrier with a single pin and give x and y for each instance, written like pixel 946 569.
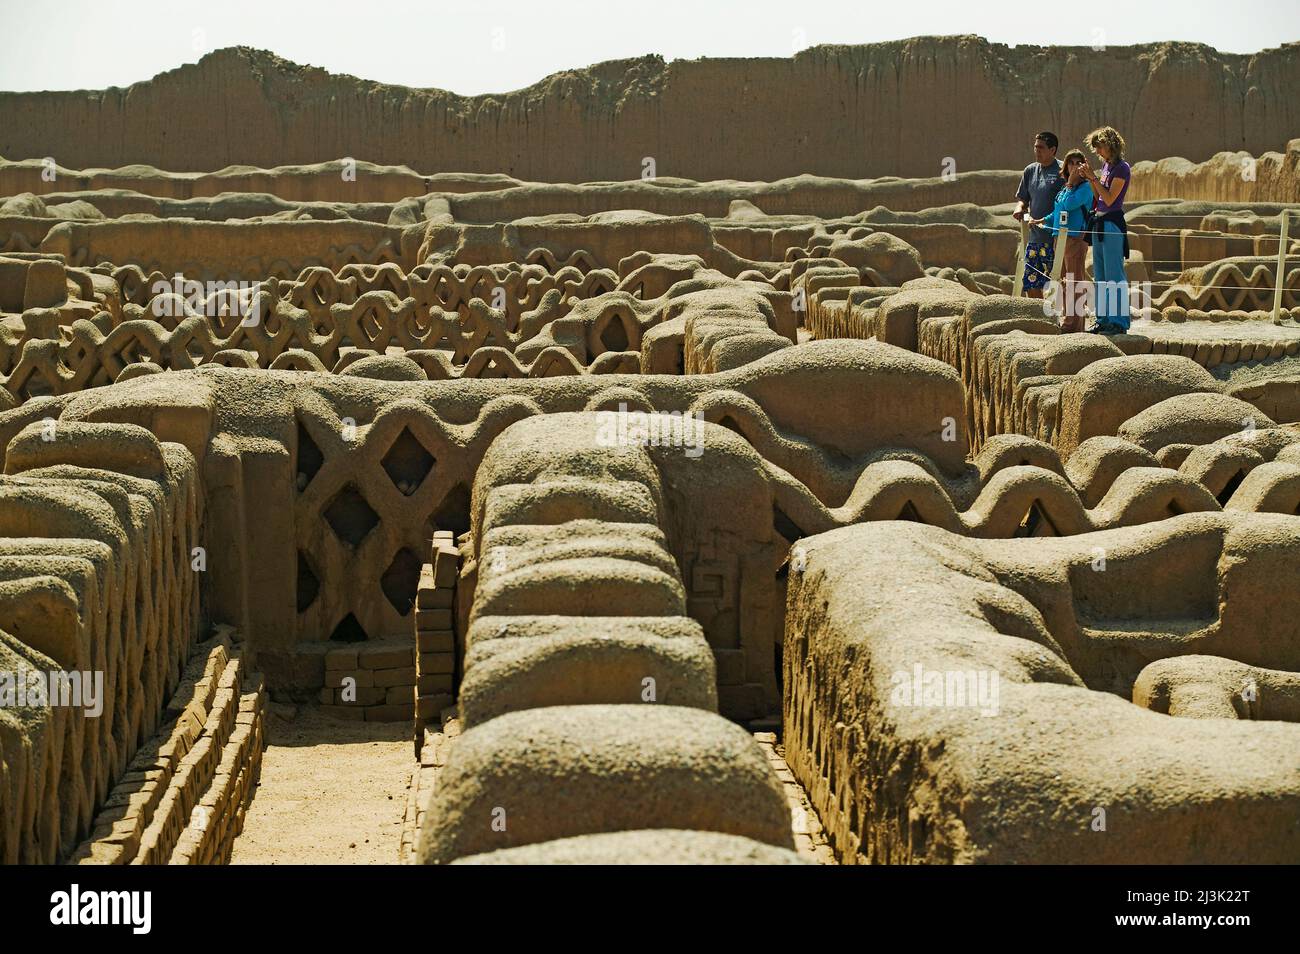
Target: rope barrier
pixel 1138 213
pixel 1280 272
pixel 1169 285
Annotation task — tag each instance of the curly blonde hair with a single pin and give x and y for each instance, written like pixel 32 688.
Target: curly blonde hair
pixel 1109 136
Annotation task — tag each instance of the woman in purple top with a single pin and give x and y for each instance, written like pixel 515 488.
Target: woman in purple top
pixel 1109 233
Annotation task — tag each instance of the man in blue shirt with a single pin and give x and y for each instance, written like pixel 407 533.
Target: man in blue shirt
pixel 1037 194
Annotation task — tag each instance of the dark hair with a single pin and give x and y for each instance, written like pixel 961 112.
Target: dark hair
pixel 1065 161
pixel 1049 138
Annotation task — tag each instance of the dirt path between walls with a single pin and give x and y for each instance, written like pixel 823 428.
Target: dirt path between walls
pixel 331 792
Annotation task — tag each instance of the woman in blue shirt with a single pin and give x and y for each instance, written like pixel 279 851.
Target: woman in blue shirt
pixel 1073 199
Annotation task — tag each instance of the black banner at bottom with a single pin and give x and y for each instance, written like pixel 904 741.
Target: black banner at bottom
pixel 334 904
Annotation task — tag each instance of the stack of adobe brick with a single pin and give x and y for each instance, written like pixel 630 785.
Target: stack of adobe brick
pixel 431 758
pixel 435 632
pixel 185 792
pixel 219 816
pixel 372 681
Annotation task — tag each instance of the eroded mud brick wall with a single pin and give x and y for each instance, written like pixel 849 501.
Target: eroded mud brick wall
pixel 325 491
pixel 555 673
pixel 98 523
pixel 898 779
pixel 1177 99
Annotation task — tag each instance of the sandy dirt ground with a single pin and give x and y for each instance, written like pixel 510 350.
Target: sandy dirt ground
pixel 331 792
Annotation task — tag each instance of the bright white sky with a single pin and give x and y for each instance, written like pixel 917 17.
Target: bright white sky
pixel 478 46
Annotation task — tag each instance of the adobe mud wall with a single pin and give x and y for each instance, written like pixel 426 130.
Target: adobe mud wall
pixel 893 108
pixel 97 530
pixel 1066 770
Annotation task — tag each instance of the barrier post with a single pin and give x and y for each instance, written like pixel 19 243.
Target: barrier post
pixel 1017 290
pixel 1058 258
pixel 1062 232
pixel 1283 239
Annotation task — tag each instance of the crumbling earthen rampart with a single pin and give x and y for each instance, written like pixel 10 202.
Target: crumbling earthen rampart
pixel 831 110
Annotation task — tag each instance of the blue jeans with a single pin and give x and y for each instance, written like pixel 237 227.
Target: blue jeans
pixel 1110 301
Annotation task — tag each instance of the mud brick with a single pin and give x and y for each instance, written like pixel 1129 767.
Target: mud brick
pixel 400 695
pixel 429 753
pixel 435 641
pixel 446 566
pixel 353 713
pixel 99 853
pixel 303 669
pixel 429 707
pixel 109 820
pixel 364 697
pixel 341 659
pixel 389 713
pixel 202 747
pixel 432 619
pixel 437 682
pixel 362 678
pixel 148 775
pixel 146 756
pixel 430 597
pixel 433 597
pixel 230 675
pixel 386 658
pixel 126 787
pixel 395 677
pixel 443 535
pixel 173 749
pixel 136 803
pixel 431 663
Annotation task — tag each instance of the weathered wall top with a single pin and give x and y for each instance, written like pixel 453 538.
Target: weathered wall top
pixel 896 108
